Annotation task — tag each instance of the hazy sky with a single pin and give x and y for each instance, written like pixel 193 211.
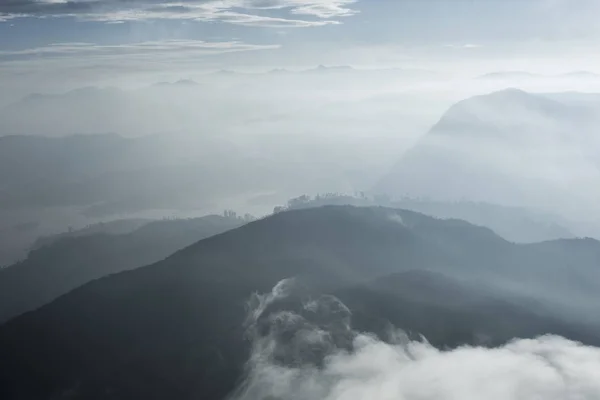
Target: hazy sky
pixel 95 38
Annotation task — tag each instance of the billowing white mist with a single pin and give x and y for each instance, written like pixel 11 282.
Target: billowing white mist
pixel 305 349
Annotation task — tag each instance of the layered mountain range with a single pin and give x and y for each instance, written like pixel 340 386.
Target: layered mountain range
pixel 176 328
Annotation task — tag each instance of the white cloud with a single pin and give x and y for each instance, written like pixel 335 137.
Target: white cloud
pixel 323 9
pixel 549 368
pixel 133 50
pixel 397 218
pixel 464 46
pixel 241 12
pixel 303 355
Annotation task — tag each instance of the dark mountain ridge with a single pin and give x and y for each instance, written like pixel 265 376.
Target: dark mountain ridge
pixel 58 265
pixel 516 224
pixel 174 329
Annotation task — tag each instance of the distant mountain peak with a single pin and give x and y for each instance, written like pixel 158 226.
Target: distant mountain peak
pixel 80 91
pixel 180 83
pixel 463 155
pixel 279 71
pixel 509 75
pixel 511 91
pixel 186 82
pixel 225 72
pixel 324 68
pixel 506 98
pixel 490 112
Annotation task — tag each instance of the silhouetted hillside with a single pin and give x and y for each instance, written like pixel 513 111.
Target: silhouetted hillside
pixel 449 313
pixel 60 264
pixel 116 227
pixel 174 329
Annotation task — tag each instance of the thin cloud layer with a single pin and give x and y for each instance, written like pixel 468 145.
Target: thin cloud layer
pixel 169 47
pixel 240 12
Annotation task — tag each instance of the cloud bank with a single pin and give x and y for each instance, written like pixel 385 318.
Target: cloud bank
pixel 240 12
pixel 304 349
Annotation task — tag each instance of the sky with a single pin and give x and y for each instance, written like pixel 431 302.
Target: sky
pixel 96 39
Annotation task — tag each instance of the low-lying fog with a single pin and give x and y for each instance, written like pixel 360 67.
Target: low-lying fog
pixel 203 142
